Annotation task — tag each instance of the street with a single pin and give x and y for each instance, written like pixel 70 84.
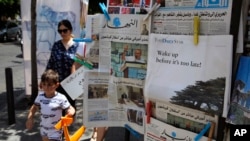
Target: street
pixel 11 57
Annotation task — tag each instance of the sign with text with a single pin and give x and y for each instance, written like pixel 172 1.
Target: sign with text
pixel 73 84
pixel 238 132
pixel 192 76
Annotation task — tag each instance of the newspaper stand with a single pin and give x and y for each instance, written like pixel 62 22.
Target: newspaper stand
pixel 234 29
pixel 235 18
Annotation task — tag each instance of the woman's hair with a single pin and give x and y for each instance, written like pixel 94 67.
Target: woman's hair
pixel 50 76
pixel 66 23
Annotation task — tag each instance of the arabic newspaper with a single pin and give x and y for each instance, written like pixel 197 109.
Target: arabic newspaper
pixel 174 116
pixel 176 17
pixel 114 95
pixel 160 131
pixel 106 104
pixel 120 38
pixel 74 83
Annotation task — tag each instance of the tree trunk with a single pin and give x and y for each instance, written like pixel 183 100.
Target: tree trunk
pixel 34 85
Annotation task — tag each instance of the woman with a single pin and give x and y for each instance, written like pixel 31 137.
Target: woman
pixel 62 53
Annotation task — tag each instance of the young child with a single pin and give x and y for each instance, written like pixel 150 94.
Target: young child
pixel 50 103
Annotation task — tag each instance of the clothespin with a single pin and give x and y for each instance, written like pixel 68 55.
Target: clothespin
pixel 83 62
pixel 87 40
pixel 153 9
pixel 148 108
pixel 104 10
pixel 196 26
pixel 64 123
pixel 203 131
pixel 135 133
pixel 211 132
pixel 82 58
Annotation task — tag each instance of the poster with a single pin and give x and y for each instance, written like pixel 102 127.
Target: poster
pixel 49 13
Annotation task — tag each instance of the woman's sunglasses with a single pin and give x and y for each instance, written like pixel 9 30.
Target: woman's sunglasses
pixel 62 30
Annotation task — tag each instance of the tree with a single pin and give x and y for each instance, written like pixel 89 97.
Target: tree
pixel 9 8
pixel 205 96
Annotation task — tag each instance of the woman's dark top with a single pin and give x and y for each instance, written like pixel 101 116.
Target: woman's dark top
pixel 61 60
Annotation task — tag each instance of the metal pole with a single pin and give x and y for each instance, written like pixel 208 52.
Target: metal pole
pixel 127 135
pixel 10 96
pixel 34 85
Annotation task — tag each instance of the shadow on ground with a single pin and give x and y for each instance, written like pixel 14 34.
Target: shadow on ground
pixel 17 92
pixel 13 128
pixel 20 55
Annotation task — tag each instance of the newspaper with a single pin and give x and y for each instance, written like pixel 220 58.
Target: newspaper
pixel 107 104
pixel 120 39
pixel 176 17
pixel 113 95
pixel 198 77
pixel 160 131
pixel 186 119
pixel 74 83
pixel 91 50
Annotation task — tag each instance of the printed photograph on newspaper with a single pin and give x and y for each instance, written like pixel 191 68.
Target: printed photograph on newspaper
pixel 109 104
pixel 128 6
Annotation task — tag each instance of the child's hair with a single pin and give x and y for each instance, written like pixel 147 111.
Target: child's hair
pixel 50 76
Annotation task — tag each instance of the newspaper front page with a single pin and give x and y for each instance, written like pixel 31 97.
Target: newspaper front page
pixel 176 17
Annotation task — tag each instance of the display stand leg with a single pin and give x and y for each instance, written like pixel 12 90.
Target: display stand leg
pixel 127 135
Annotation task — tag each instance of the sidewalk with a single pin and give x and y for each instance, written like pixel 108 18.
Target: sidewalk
pixel 18 132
